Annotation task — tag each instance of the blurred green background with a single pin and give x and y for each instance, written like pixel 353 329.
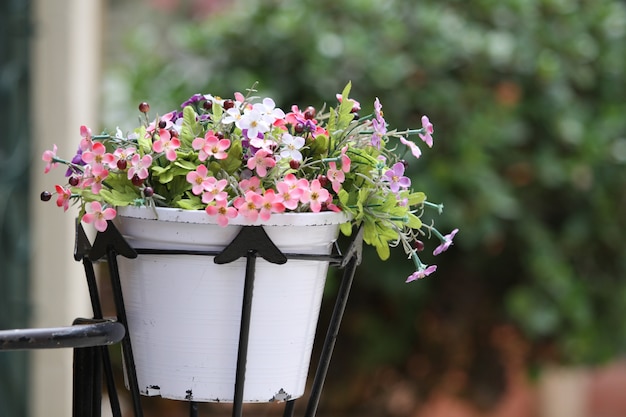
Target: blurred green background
pixel 528 100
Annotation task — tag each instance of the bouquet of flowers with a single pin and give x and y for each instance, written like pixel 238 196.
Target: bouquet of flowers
pixel 244 156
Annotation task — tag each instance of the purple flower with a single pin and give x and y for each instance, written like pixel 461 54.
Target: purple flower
pixel 428 130
pixel 196 98
pixel 412 146
pixel 76 160
pixel 395 177
pixel 423 272
pixel 446 242
pixel 379 124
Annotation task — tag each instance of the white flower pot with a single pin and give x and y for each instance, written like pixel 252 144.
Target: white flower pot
pixel 184 311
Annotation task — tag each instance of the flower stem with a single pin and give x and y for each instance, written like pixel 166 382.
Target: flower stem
pixel 439 207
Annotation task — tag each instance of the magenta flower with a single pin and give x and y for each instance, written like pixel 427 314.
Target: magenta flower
pixel 423 272
pixel 428 131
pixel 222 211
pixel 446 242
pixel 412 146
pixel 395 177
pixel 49 157
pixel 97 216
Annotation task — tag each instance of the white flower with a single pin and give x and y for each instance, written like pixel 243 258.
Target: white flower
pixel 291 147
pixel 253 122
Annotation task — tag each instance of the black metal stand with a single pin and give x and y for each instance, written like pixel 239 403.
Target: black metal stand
pixel 90 365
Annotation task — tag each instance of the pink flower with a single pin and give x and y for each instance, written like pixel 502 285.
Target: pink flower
pixel 345 160
pixel 336 176
pixel 315 195
pixel 412 146
pixel 98 173
pixel 428 131
pixel 85 142
pixel 198 179
pixel 97 216
pixel 222 211
pixel 214 190
pixel 166 144
pixel 139 166
pixel 49 157
pixel 446 243
pixel 210 145
pixel 97 155
pixel 422 273
pixel 379 124
pixel 395 177
pixel 63 197
pixel 356 106
pixel 123 154
pixel 293 182
pixel 271 203
pixel 168 119
pixel 289 195
pixel 295 116
pixel 261 161
pixel 251 184
pixel 249 205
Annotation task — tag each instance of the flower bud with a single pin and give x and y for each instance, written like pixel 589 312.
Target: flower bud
pixel 45 196
pixel 144 107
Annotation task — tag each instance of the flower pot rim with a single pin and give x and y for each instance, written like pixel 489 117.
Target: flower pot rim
pixel 178 215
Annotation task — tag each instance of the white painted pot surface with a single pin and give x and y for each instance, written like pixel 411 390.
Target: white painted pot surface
pixel 184 311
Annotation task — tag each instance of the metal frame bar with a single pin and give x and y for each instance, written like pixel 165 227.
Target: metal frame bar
pixel 89 337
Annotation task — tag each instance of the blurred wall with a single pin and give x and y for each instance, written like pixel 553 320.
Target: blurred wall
pixel 66 62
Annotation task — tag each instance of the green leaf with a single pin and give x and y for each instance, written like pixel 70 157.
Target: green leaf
pixel 382 249
pixel 192 203
pixel 217 110
pixel 343 197
pixel 319 145
pixel 186 165
pixel 191 128
pixel 346 228
pixel 144 141
pixel 414 221
pixel 121 196
pixel 415 199
pixel 345 116
pixel 233 161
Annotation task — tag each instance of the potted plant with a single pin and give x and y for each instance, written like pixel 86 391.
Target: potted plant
pixel 191 178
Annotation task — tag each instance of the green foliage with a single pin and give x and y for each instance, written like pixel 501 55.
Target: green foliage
pixel 527 99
